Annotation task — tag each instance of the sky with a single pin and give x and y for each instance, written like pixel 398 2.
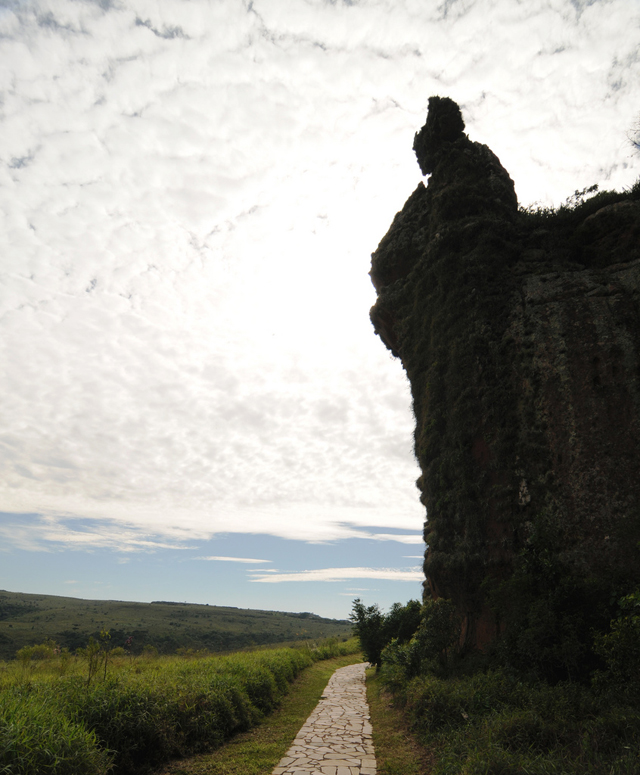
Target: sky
pixel 194 404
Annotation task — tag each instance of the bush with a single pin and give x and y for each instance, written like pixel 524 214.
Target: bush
pixel 143 714
pixel 550 613
pixel 375 630
pixel 620 649
pixel 431 647
pixel 496 723
pixel 402 621
pixel 36 737
pixel 186 707
pixel 46 650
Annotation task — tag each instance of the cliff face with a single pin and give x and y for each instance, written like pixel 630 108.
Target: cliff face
pixel 520 335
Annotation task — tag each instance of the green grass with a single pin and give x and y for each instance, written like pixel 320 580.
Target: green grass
pixel 258 751
pixel 145 712
pixel 30 619
pixel 36 738
pixel 397 750
pixel 496 724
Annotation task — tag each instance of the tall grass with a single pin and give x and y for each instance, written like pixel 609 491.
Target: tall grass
pixel 494 723
pixel 36 738
pixel 145 712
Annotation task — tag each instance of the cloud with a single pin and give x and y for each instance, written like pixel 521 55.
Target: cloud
pixel 341 574
pixel 403 539
pixel 179 528
pixel 191 194
pixel 232 559
pixel 37 533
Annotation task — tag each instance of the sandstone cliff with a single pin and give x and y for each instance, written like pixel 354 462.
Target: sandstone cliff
pixel 520 335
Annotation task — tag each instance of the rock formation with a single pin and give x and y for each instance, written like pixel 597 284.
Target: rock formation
pixel 520 334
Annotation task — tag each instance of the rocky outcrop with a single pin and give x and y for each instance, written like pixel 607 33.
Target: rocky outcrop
pixel 520 335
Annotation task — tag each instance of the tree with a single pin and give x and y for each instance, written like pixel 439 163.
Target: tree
pixel 375 630
pixel 634 136
pixel 402 621
pixel 368 627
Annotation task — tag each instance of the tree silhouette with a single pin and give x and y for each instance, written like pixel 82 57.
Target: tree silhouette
pixel 634 136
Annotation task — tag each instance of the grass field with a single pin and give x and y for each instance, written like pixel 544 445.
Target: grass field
pixel 258 751
pixel 397 750
pixel 494 723
pixel 29 619
pixel 140 712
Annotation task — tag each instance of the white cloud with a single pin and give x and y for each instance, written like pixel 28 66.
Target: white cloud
pixel 233 559
pixel 341 574
pixel 49 533
pixel 190 194
pixel 403 539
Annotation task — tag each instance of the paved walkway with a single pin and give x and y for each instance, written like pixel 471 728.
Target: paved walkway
pixel 336 738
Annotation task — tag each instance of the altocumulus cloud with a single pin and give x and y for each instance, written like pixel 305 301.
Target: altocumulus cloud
pixel 190 193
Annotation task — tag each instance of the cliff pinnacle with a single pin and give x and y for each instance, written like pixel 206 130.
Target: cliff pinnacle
pixel 520 335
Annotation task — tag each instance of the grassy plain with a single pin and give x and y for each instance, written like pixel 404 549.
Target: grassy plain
pixel 140 712
pixel 28 619
pixel 258 751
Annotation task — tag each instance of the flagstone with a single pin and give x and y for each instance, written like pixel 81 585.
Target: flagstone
pixel 336 738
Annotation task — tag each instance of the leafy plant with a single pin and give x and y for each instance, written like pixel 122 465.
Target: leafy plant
pixel 97 654
pixel 375 630
pixel 36 736
pixel 494 723
pixel 620 650
pixel 368 626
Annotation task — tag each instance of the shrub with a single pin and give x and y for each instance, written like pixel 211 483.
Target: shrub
pixel 496 723
pixel 402 621
pixel 142 714
pixel 46 650
pixel 375 630
pixel 620 649
pixel 36 737
pixel 132 720
pixel 524 731
pixel 431 647
pixel 368 626
pixel 439 632
pixel 550 613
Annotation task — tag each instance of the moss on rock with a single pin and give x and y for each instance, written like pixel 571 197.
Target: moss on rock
pixel 520 334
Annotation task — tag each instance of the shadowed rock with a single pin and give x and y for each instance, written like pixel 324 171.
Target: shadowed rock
pixel 520 336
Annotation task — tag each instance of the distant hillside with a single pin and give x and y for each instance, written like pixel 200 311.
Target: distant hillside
pixel 28 619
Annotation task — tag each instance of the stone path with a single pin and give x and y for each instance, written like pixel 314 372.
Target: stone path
pixel 336 738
